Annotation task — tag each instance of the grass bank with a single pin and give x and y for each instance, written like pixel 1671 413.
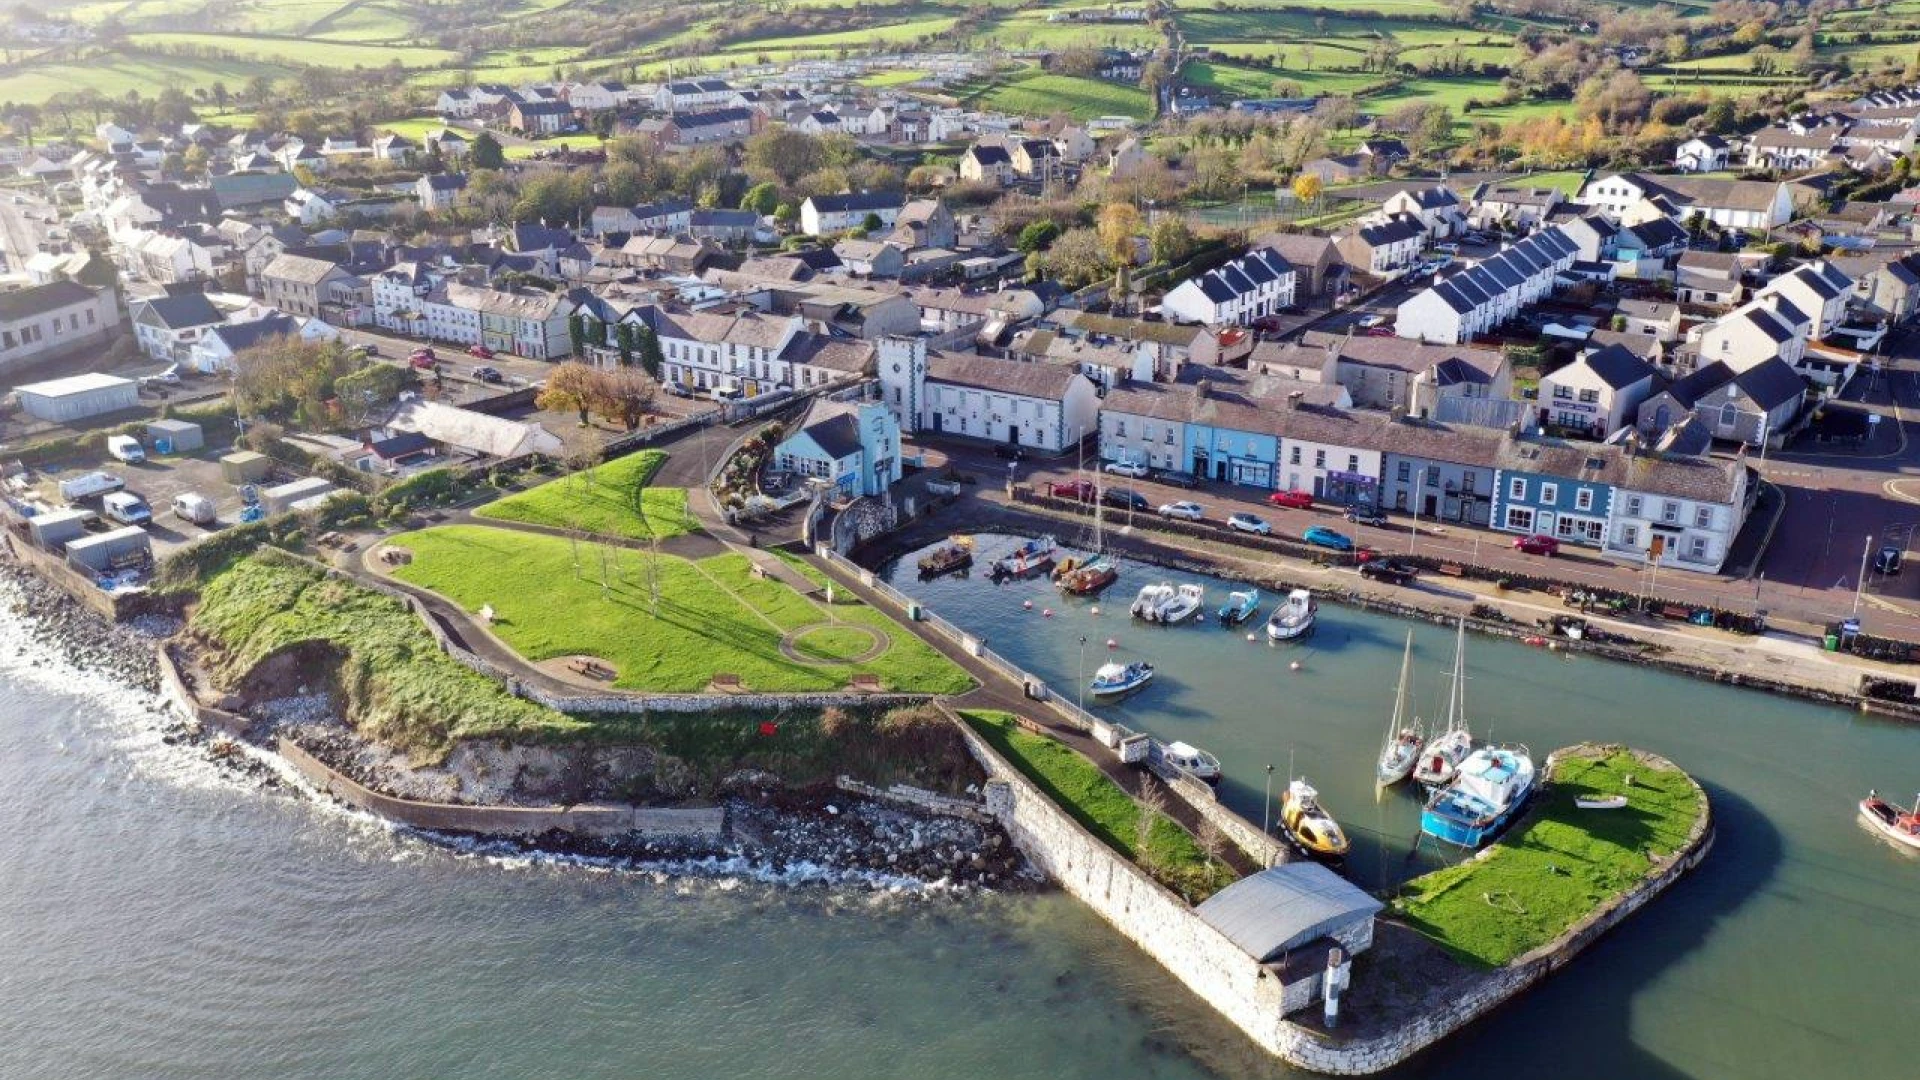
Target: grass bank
pixel 713 616
pixel 612 499
pixel 1169 852
pixel 1560 864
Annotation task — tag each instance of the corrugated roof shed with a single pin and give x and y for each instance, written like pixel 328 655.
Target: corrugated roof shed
pixel 1285 907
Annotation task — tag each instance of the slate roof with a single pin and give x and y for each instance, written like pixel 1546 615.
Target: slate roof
pixel 40 299
pixel 238 336
pixel 855 201
pixel 1771 384
pixel 990 155
pixel 1046 382
pixel 1616 367
pixel 189 309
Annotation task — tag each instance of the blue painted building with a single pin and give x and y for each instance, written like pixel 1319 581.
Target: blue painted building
pixel 853 446
pixel 1554 488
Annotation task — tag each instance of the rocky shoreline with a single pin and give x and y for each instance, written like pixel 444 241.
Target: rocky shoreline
pixel 795 837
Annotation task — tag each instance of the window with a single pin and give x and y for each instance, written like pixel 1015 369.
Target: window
pixel 1353 463
pixel 1633 505
pixel 1319 459
pixel 1563 393
pixel 1146 431
pixel 1516 488
pixel 1589 396
pixel 1466 483
pixel 1406 471
pixel 1519 519
pixel 1549 493
pixel 1169 439
pixel 1120 428
pixel 1697 548
pixel 1583 499
pixel 1670 511
pixel 1294 457
pixel 1703 517
pixel 1630 535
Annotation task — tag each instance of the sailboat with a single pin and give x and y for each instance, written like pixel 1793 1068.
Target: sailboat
pixel 1308 824
pixel 1088 576
pixel 1401 750
pixel 1441 759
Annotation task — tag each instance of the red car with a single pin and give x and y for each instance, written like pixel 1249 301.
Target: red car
pixel 480 352
pixel 1537 544
pixel 421 360
pixel 1291 500
pixel 1083 490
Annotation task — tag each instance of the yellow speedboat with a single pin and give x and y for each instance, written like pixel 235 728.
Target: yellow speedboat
pixel 1307 823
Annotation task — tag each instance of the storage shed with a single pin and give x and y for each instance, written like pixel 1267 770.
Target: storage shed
pixel 281 498
pixel 245 467
pixel 175 436
pixel 78 397
pixel 56 527
pixel 1288 918
pixel 114 550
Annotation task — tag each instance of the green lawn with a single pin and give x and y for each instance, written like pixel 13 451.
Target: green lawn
pixel 554 142
pixel 1083 98
pixel 612 499
pixel 398 685
pixel 1095 801
pixel 882 79
pixel 1561 863
pixel 114 74
pixel 713 616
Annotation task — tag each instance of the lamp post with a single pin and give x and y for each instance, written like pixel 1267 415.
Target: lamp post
pixel 1419 485
pixel 1083 673
pixel 1861 586
pixel 1266 804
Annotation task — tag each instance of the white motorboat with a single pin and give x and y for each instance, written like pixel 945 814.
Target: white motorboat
pixel 1401 750
pixel 1193 761
pixel 1151 600
pixel 1293 619
pixel 1601 802
pixel 1441 759
pixel 1185 604
pixel 1900 826
pixel 1112 680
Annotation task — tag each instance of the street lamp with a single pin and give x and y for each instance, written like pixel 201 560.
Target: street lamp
pixel 1083 673
pixel 1419 486
pixel 1861 586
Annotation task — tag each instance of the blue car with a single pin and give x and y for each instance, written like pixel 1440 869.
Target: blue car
pixel 1321 536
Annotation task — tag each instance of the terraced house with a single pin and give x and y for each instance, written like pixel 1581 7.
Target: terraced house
pixel 525 322
pixel 1257 284
pixel 753 352
pixel 1457 308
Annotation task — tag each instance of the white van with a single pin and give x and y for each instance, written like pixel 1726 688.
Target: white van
pixel 87 485
pixel 126 448
pixel 126 508
pixel 727 393
pixel 194 507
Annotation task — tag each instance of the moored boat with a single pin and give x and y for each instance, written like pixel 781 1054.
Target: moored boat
pixel 1404 736
pixel 1185 604
pixel 1241 605
pixel 1900 826
pixel 1151 599
pixel 1601 802
pixel 1032 557
pixel 947 558
pixel 1490 787
pixel 1112 680
pixel 1193 761
pixel 1304 821
pixel 1294 618
pixel 1088 578
pixel 1440 760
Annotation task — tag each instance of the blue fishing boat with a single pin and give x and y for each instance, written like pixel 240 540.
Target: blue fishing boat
pixel 1488 789
pixel 1112 680
pixel 1241 605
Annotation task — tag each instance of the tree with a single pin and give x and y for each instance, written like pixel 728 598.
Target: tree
pixel 1117 224
pixel 1307 188
pixel 371 387
pixel 625 395
pixel 1170 240
pixel 872 223
pixel 1037 236
pixel 651 358
pixel 571 387
pixel 1077 258
pixel 784 154
pixel 285 378
pixel 485 153
pixel 762 199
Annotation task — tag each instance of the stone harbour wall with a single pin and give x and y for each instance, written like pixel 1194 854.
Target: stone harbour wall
pixel 919 798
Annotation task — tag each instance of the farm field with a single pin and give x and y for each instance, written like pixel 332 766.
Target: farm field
pixel 1082 98
pixel 114 74
pixel 305 51
pixel 713 615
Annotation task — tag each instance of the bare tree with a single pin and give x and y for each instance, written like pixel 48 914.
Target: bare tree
pixel 1153 807
pixel 1212 841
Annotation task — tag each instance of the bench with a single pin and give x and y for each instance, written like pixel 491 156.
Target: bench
pixel 727 683
pixel 1676 612
pixel 594 669
pixel 865 684
pixel 1451 569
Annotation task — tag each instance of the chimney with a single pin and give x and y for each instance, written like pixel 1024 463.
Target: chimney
pixel 1294 398
pixel 1203 389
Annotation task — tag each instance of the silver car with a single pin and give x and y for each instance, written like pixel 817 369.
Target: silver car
pixel 1185 511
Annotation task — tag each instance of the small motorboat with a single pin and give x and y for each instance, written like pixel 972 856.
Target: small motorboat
pixel 1193 761
pixel 1186 603
pixel 1088 578
pixel 1113 680
pixel 1600 802
pixel 1241 605
pixel 1151 600
pixel 1032 557
pixel 1293 619
pixel 1307 823
pixel 949 557
pixel 1900 826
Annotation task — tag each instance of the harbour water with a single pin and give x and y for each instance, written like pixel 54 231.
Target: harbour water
pixel 161 920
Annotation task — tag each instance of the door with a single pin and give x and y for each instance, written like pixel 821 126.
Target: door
pixel 1431 509
pixel 1013 434
pixel 936 422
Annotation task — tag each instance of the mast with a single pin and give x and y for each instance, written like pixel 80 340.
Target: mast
pixel 1400 694
pixel 1457 695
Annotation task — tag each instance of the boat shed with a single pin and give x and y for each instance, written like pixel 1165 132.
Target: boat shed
pixel 1288 918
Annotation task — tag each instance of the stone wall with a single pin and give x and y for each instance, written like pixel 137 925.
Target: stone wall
pixel 919 798
pixel 55 570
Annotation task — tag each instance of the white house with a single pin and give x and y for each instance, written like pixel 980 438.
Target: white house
pixel 681 95
pixel 167 327
pixel 1456 308
pixel 440 191
pixel 1043 406
pixel 456 104
pixel 1702 153
pixel 1437 209
pixel 1730 204
pixel 45 321
pixel 823 214
pixel 1817 288
pixel 1257 284
pixel 1599 393
pixel 1682 512
pixel 1764 328
pixel 753 351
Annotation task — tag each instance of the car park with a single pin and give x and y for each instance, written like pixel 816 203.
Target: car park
pixel 1248 523
pixel 1183 510
pixel 1366 515
pixel 1291 500
pixel 1131 469
pixel 1125 499
pixel 1887 560
pixel 1537 544
pixel 1321 536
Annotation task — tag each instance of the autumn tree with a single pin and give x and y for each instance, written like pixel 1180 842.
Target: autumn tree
pixel 1117 225
pixel 625 395
pixel 1307 188
pixel 1078 258
pixel 1170 240
pixel 571 387
pixel 286 379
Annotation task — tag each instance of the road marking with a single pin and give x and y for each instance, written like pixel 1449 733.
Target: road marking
pixel 1892 490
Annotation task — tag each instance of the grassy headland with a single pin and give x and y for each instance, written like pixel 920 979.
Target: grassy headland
pixel 613 499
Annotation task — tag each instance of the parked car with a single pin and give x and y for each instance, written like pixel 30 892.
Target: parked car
pixel 1133 469
pixel 1321 536
pixel 480 352
pixel 1887 561
pixel 1126 499
pixel 126 448
pixel 1175 479
pixel 1448 247
pixel 1537 544
pixel 1248 523
pixel 1185 511
pixel 1366 515
pixel 488 374
pixel 1083 490
pixel 1391 571
pixel 369 348
pixel 422 361
pixel 1380 331
pixel 170 376
pixel 194 507
pixel 126 508
pixel 1370 320
pixel 1292 500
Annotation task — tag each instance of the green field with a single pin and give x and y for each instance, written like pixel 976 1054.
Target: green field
pixel 713 616
pixel 399 687
pixel 114 74
pixel 1044 95
pixel 553 142
pixel 1559 865
pixel 884 79
pixel 1095 801
pixel 299 51
pixel 612 499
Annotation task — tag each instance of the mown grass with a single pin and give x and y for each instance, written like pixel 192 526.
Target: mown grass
pixel 1559 865
pixel 1082 98
pixel 712 618
pixel 612 499
pixel 398 686
pixel 1092 798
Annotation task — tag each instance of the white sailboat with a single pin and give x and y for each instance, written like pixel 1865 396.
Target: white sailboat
pixel 1401 750
pixel 1440 761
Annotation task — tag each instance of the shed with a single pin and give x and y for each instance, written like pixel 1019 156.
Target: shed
pixel 56 527
pixel 312 502
pixel 78 397
pixel 245 467
pixel 282 497
pixel 175 436
pixel 106 551
pixel 1288 907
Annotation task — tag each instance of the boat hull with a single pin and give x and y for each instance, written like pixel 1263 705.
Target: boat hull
pixel 1461 832
pixel 1293 632
pixel 931 568
pixel 1119 689
pixel 1884 819
pixel 1230 616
